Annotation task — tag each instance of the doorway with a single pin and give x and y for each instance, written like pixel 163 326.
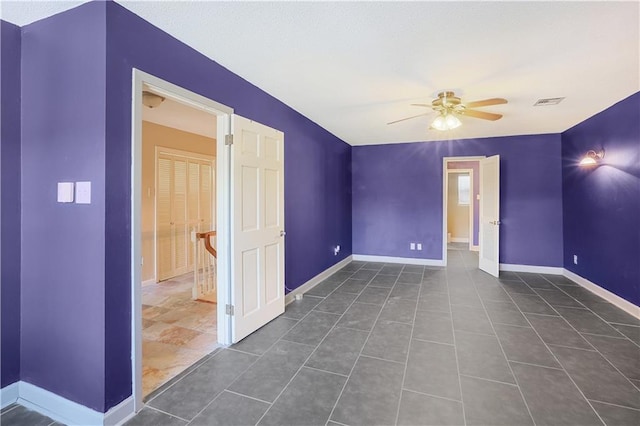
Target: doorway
pixel 179 321
pixel 246 246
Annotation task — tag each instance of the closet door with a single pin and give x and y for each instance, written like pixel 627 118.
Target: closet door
pixel 184 203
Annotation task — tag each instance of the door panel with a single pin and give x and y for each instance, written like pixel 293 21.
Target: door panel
pixel 258 238
pixel 490 215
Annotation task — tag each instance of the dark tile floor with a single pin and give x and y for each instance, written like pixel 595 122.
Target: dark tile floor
pixel 379 344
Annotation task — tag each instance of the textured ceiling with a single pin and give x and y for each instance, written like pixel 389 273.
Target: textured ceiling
pixel 354 66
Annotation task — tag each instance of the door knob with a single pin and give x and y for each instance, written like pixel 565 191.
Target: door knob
pixel 283 233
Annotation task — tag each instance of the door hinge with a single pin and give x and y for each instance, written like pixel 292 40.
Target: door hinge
pixel 229 310
pixel 228 140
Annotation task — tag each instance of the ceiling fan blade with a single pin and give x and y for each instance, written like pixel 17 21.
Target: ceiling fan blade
pixel 485 102
pixel 423 105
pixel 481 114
pixel 409 118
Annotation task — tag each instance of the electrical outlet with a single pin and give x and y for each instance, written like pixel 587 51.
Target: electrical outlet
pixel 336 250
pixel 575 259
pixel 412 246
pixel 419 246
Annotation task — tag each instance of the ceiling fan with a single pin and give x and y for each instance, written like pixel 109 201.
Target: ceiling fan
pixel 448 106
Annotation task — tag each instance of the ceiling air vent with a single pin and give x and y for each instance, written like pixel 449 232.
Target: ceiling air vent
pixel 548 101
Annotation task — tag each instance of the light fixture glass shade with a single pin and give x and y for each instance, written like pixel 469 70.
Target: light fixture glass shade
pixel 446 122
pixel 591 158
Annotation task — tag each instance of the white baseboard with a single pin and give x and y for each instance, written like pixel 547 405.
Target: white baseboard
pixel 63 410
pixel 9 394
pixel 149 282
pixel 475 248
pixel 510 267
pixel 317 279
pixel 459 240
pixel 405 260
pixel 610 297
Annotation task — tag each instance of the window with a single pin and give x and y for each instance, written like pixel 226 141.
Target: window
pixel 464 190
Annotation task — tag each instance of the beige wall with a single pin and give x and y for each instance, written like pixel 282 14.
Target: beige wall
pixel 156 135
pixel 457 216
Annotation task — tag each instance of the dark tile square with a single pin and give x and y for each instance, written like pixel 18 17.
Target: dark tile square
pixel 556 331
pixel 270 374
pixel 307 400
pixel 622 353
pixel 312 329
pixel 336 303
pixel 410 278
pixel 323 289
pixel 398 310
pixel 371 395
pixel 405 291
pixel 391 270
pixel 229 409
pixel 492 403
pixel 481 356
pixel 188 396
pixel 383 281
pixel 364 274
pixel 617 416
pixel 586 322
pixel 516 287
pixel 260 340
pixel 532 304
pixel 299 308
pixel 373 266
pixel 414 269
pixel 352 286
pixel 632 333
pixel 523 345
pixel 432 369
pixel 596 378
pixel 470 319
pixel 418 409
pixel 505 313
pixel 389 340
pixel 339 350
pixel 433 326
pixel 374 295
pixel 438 302
pixel 20 415
pixel 360 316
pixel 552 397
pixel 558 298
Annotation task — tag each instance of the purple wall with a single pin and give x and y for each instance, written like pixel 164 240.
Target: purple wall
pixel 397 197
pixel 63 262
pixel 317 176
pixel 10 40
pixel 475 166
pixel 602 204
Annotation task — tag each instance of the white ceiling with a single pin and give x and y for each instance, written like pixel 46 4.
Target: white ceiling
pixel 174 114
pixel 354 66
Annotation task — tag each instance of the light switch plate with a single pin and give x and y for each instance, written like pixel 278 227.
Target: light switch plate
pixel 65 192
pixel 83 192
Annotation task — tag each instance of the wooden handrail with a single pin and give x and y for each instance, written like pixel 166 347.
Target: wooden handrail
pixel 207 241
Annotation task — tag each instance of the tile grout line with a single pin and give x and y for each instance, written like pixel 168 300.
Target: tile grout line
pixel 312 352
pixel 260 357
pixel 615 405
pixel 515 378
pixel 554 355
pixel 361 349
pixel 406 364
pixel 588 342
pixel 168 414
pixel 433 396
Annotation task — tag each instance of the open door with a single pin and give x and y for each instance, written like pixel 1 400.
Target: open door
pixel 258 226
pixel 490 215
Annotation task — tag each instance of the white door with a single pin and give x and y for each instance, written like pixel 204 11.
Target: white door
pixel 490 215
pixel 258 226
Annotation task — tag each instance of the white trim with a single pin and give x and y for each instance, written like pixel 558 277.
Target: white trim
pixel 317 279
pixel 511 267
pixel 223 113
pixel 445 184
pixel 9 394
pixel 459 240
pixel 621 303
pixel 392 259
pixel 149 282
pixel 63 410
pixel 474 248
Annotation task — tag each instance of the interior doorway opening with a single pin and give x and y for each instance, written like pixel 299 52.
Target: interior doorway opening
pixel 460 204
pixel 179 309
pixel 180 211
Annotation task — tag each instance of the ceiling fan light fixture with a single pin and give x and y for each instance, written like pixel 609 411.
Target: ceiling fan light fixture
pixel 446 122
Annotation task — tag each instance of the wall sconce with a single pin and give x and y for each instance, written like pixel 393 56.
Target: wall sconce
pixel 592 158
pixel 151 100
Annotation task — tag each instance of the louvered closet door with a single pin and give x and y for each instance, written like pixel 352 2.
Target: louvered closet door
pixel 184 203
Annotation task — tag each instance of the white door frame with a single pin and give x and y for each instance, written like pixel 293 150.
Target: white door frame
pixel 445 199
pixel 141 79
pixel 468 172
